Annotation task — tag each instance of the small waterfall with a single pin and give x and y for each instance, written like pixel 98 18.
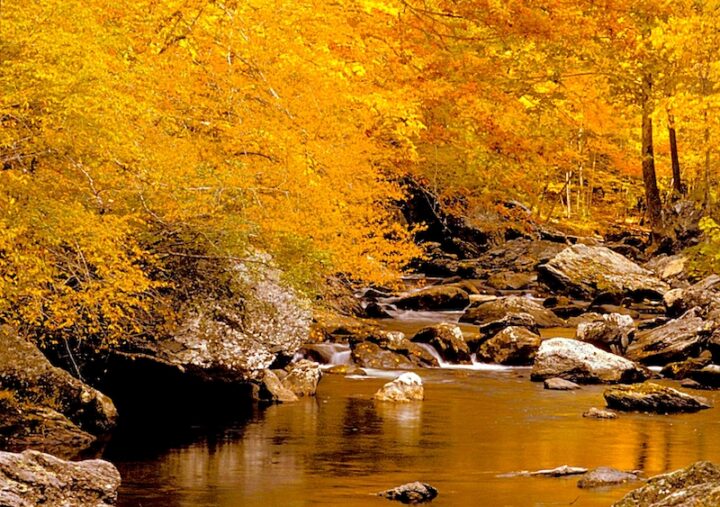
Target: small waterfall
pixel 330 354
pixel 433 352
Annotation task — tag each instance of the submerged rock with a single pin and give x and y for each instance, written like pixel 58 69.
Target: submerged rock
pixel 675 341
pixel 442 297
pixel 652 397
pixel 695 486
pixel 561 471
pixel 515 346
pixel 507 307
pixel 560 384
pixel 605 476
pixel 583 363
pixel 407 387
pixel 33 478
pixel 589 270
pixel 448 340
pixel 411 493
pixel 598 413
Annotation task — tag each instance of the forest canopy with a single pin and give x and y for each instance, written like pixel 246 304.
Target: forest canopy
pixel 147 143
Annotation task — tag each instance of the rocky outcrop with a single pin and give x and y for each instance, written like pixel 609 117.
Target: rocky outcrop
pixel 611 332
pixel 505 307
pixel 583 363
pixel 411 493
pixel 695 486
pixel 47 403
pixel 33 478
pixel 515 346
pixel 442 297
pixel 587 271
pixel 652 397
pixel 447 339
pixel 407 387
pixel 678 339
pixel 603 477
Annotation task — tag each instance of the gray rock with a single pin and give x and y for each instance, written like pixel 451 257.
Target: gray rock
pixel 560 384
pixel 695 486
pixel 588 270
pixel 302 378
pixel 515 346
pixel 652 397
pixel 505 307
pixel 605 476
pixel 704 294
pixel 33 478
pixel 525 320
pixel 442 297
pixel 675 341
pixel 598 413
pixel 411 493
pixel 407 387
pixel 561 471
pixel 583 363
pixel 611 332
pixel 448 340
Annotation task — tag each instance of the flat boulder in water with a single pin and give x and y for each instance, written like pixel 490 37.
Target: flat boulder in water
pixel 603 477
pixel 33 478
pixel 652 397
pixel 407 387
pixel 590 270
pixel 695 486
pixel 560 384
pixel 442 297
pixel 506 307
pixel 677 340
pixel 411 493
pixel 583 363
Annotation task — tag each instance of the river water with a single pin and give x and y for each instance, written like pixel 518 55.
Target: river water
pixel 474 427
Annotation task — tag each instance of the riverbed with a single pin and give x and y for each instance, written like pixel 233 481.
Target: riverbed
pixel 475 429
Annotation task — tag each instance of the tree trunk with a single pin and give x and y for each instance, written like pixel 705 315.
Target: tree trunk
pixel 652 195
pixel 678 186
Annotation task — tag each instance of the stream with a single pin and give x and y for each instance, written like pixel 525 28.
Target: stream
pixel 478 424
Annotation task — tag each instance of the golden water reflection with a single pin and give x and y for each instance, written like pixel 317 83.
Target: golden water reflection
pixel 342 446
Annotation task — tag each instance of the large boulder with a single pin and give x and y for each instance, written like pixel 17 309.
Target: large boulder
pixel 583 363
pixel 407 387
pixel 448 340
pixel 515 346
pixel 610 332
pixel 33 478
pixel 397 343
pixel 371 355
pixel 505 307
pixel 678 339
pixel 46 400
pixel 652 397
pixel 695 486
pixel 587 271
pixel 442 297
